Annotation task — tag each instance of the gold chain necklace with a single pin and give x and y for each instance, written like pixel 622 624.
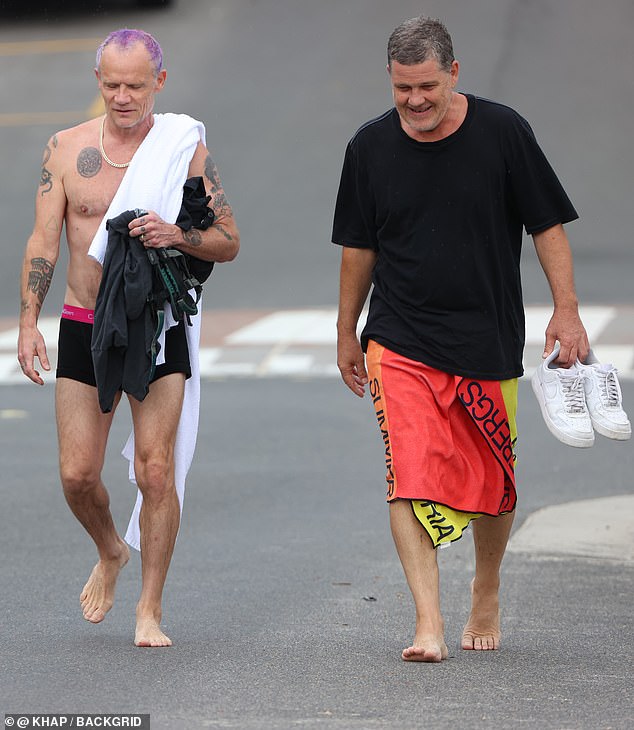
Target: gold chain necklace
pixel 119 165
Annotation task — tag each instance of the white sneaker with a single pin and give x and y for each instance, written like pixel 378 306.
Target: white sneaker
pixel 603 398
pixel 561 397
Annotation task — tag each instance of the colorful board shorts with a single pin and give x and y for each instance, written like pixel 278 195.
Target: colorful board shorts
pixel 449 441
pixel 74 356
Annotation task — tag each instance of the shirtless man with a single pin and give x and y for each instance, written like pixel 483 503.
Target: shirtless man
pixel 82 169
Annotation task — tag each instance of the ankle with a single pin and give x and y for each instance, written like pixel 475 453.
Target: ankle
pixel 148 611
pixel 431 625
pixel 486 584
pixel 115 553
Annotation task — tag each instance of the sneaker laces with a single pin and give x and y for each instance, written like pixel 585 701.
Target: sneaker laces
pixel 573 393
pixel 610 391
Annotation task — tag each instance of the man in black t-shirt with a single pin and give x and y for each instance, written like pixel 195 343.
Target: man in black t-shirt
pixel 433 200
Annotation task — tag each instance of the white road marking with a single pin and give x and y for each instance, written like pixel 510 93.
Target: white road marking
pixel 594 319
pixel 298 327
pixel 302 342
pixel 12 414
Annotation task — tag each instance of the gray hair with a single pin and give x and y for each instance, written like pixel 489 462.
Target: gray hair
pixel 419 39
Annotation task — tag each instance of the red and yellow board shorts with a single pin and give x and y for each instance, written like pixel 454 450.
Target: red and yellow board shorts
pixel 449 441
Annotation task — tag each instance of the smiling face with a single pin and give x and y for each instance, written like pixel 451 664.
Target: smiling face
pixel 423 95
pixel 128 83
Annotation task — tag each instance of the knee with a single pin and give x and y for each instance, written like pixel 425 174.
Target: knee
pixel 154 476
pixel 78 479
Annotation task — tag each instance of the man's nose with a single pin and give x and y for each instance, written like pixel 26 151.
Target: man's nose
pixel 122 95
pixel 417 97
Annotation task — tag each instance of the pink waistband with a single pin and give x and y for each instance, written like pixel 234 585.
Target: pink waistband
pixel 79 314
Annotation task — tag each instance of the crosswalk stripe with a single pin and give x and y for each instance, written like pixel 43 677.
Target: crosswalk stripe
pixel 302 343
pixel 594 319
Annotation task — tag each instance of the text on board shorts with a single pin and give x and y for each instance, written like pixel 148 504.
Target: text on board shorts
pixel 449 441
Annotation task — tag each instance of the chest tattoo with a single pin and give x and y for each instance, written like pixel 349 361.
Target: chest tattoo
pixel 89 162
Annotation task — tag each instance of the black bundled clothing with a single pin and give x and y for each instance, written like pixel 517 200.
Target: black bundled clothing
pixel 124 327
pixel 136 282
pixel 195 213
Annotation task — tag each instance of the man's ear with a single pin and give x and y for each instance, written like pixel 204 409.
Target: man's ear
pixel 455 72
pixel 160 79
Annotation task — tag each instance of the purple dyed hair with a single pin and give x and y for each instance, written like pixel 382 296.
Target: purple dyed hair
pixel 127 37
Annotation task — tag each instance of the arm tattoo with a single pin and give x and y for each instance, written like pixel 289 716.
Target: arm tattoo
pixel 89 162
pixel 53 224
pixel 192 237
pixel 211 172
pixel 40 278
pixel 220 204
pixel 46 180
pixel 226 234
pixel 219 201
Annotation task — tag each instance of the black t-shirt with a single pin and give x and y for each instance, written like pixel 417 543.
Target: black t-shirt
pixel 445 219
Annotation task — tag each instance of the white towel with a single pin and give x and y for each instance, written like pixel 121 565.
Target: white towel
pixel 156 175
pixel 154 181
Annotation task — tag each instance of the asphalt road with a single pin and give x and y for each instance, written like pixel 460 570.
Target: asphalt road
pixel 285 541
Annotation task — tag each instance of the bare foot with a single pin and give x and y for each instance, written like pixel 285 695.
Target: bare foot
pixel 97 596
pixel 148 633
pixel 482 632
pixel 428 649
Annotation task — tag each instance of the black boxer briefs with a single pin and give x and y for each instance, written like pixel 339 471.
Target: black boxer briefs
pixel 74 357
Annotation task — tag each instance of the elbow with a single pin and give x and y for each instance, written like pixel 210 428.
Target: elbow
pixel 235 249
pixel 232 248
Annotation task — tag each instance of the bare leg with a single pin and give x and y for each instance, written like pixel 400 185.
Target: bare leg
pixel 155 424
pixel 418 558
pixel 490 536
pixel 83 432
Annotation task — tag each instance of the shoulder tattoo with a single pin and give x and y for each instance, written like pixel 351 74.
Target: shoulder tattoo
pixel 89 162
pixel 40 277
